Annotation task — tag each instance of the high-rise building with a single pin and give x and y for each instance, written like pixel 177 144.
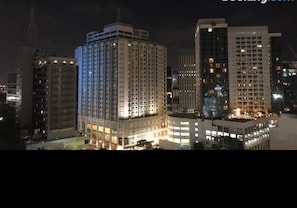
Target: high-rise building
pixel 122 87
pixel 24 86
pixel 249 69
pixel 43 91
pixel 187 84
pixel 54 97
pixel 276 71
pixel 211 57
pixel 237 68
pixel 290 86
pixel 169 89
pixel 12 90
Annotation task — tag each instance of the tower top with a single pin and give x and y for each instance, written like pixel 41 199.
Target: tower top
pixel 32 27
pixel 118 19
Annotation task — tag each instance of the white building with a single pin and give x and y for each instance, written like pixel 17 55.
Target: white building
pixel 254 134
pixel 122 86
pixel 249 68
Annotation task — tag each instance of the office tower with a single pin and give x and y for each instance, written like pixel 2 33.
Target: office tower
pixel 24 87
pixel 243 68
pixel 211 57
pixel 249 67
pixel 169 89
pixel 175 92
pixel 122 87
pixel 187 84
pixel 276 82
pixel 54 97
pixel 290 86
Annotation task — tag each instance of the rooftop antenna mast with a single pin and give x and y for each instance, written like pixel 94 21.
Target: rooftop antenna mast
pixel 118 15
pixel 32 27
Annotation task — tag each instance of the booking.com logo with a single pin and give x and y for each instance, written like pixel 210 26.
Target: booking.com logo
pixel 260 1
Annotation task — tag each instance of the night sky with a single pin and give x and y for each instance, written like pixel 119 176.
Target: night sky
pixel 63 24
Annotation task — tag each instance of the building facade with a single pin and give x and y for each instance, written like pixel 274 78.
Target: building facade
pixel 237 68
pixel 252 134
pixel 187 84
pixel 249 65
pixel 276 71
pixel 54 97
pixel 212 75
pixel 122 87
pixel 290 86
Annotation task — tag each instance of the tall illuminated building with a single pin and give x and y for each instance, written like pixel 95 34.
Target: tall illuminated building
pixel 249 63
pixel 122 87
pixel 238 68
pixel 187 84
pixel 212 72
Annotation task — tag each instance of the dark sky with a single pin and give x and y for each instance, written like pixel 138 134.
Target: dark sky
pixel 63 24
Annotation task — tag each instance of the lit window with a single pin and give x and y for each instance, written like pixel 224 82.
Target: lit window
pixel 185 134
pixel 209 29
pixel 211 70
pixel 176 134
pixel 210 60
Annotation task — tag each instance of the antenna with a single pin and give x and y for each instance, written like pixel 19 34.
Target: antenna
pixel 32 27
pixel 118 14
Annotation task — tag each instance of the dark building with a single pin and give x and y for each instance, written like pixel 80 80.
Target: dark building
pixel 276 82
pixel 169 89
pixel 54 97
pixel 24 87
pixel 9 137
pixel 290 86
pixel 2 97
pixel 211 64
pixel 175 92
pixel 187 84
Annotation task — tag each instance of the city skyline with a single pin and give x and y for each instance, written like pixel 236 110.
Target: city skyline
pixel 62 25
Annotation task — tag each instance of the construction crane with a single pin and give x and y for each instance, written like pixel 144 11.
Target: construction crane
pixel 293 52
